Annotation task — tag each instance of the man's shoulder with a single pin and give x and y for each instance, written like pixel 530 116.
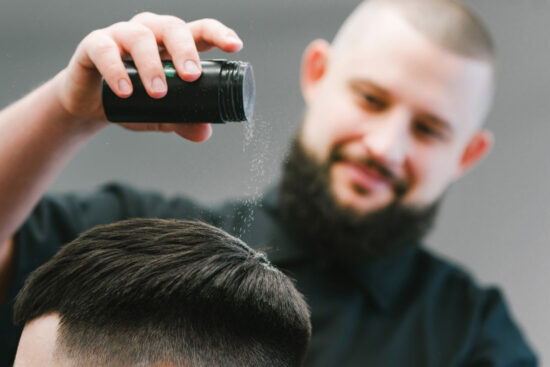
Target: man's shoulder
pixel 451 284
pixel 444 267
pixel 478 312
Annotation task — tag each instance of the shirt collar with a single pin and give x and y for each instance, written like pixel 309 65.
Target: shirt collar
pixel 386 278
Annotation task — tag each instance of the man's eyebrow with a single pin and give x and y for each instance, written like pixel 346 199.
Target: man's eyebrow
pixel 367 83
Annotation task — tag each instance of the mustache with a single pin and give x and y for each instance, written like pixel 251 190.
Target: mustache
pixel 400 185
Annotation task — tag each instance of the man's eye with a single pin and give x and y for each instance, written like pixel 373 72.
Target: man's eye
pixel 374 102
pixel 427 131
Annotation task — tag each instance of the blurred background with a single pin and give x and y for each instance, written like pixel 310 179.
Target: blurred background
pixel 495 222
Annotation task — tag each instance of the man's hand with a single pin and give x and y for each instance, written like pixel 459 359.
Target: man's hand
pixel 41 132
pixel 146 38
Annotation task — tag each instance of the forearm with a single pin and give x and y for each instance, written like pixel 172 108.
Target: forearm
pixel 38 137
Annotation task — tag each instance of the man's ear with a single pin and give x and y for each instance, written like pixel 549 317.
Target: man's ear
pixel 314 66
pixel 478 147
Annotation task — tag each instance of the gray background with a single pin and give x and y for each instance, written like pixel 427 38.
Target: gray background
pixel 495 221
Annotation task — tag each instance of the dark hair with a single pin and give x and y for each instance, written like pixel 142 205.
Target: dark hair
pixel 147 291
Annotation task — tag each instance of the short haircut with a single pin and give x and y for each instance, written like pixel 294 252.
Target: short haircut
pixel 148 291
pixel 450 24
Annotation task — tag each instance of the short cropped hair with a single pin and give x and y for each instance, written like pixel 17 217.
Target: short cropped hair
pixel 450 24
pixel 146 291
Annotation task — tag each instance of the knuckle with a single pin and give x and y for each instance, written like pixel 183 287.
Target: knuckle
pixel 95 33
pixel 177 30
pixel 175 27
pixel 136 35
pixel 102 48
pixel 94 37
pixel 212 23
pixel 173 21
pixel 143 15
pixel 141 32
pixel 117 26
pixel 100 44
pixel 132 29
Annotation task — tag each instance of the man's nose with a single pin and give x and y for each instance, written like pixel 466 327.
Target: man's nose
pixel 387 139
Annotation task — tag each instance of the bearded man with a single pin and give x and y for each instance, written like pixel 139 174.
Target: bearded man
pixel 394 113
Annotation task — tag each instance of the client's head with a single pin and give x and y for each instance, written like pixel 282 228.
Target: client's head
pixel 151 292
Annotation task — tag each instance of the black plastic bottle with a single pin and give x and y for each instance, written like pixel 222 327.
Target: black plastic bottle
pixel 224 92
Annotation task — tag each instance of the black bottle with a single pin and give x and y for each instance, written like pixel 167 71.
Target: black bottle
pixel 224 92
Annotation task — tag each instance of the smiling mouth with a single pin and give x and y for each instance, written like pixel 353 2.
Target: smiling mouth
pixel 360 190
pixel 374 170
pixel 366 178
pixel 369 175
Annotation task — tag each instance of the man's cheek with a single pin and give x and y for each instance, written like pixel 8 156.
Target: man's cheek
pixel 428 185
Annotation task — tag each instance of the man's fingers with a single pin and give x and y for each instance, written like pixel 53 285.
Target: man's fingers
pixel 145 38
pixel 141 38
pixel 194 132
pixel 180 45
pixel 209 33
pixel 100 51
pixel 177 40
pixel 140 42
pixel 197 132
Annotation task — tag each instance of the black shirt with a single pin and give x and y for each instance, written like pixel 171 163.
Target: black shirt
pixel 408 309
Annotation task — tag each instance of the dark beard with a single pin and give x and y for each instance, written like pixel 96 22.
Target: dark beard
pixel 335 233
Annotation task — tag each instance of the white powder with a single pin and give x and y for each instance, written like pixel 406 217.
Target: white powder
pixel 257 141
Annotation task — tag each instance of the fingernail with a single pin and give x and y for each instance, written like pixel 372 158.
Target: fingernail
pixel 124 87
pixel 158 85
pixel 190 67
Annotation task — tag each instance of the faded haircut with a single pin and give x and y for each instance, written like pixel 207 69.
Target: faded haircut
pixel 143 292
pixel 450 24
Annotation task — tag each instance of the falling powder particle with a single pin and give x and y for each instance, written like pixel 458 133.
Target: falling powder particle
pixel 248 134
pixel 257 141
